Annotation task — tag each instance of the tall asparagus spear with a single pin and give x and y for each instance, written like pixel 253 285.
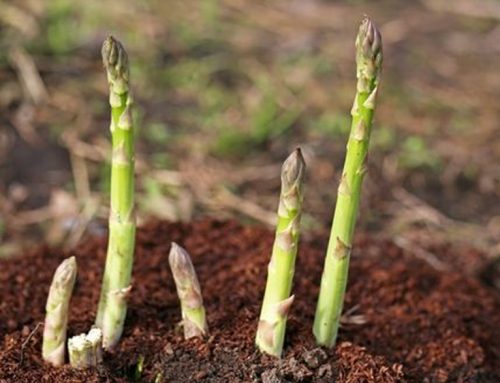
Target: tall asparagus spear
pixel 277 299
pixel 56 317
pixel 189 292
pixel 334 279
pixel 116 282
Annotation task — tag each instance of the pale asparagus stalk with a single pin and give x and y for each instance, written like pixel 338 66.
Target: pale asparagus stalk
pixel 188 291
pixel 56 317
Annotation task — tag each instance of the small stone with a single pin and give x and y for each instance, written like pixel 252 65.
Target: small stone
pixel 314 358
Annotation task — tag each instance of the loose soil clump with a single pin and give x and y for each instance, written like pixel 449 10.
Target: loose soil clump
pixel 411 323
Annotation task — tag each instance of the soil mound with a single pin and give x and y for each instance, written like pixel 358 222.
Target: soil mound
pixel 411 323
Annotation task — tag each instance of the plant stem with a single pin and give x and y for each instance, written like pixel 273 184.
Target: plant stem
pixel 334 279
pixel 56 317
pixel 85 349
pixel 189 292
pixel 119 260
pixel 277 300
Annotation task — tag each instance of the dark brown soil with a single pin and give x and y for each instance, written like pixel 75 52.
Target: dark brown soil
pixel 421 325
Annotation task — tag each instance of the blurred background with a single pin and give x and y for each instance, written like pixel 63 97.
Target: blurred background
pixel 225 89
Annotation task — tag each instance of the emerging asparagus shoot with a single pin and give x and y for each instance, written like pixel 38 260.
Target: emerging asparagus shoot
pixel 56 318
pixel 277 300
pixel 85 350
pixel 334 279
pixel 116 282
pixel 189 292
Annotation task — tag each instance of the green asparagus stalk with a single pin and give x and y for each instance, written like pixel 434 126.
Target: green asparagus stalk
pixel 56 317
pixel 334 279
pixel 116 282
pixel 277 300
pixel 189 292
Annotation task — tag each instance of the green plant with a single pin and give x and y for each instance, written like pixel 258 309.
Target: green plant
pixel 116 282
pixel 189 292
pixel 56 317
pixel 277 300
pixel 334 278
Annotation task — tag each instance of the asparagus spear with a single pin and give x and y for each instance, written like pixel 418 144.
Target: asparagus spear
pixel 277 299
pixel 334 279
pixel 56 317
pixel 116 282
pixel 189 292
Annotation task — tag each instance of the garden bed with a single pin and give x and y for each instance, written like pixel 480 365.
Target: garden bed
pixel 420 324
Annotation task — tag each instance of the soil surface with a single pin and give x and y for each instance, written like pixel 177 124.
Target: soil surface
pixel 407 321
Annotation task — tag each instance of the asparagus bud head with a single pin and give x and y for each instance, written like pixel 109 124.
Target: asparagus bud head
pixel 115 60
pixel 368 55
pixel 56 318
pixel 292 171
pixel 189 292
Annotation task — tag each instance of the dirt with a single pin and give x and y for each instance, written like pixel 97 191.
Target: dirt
pixel 419 324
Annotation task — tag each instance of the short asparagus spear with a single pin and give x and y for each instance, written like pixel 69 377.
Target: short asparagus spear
pixel 79 351
pixel 56 317
pixel 85 350
pixel 334 279
pixel 189 292
pixel 277 299
pixel 116 282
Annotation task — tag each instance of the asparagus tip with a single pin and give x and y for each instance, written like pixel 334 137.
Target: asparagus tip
pixel 178 256
pixel 114 58
pixel 293 168
pixel 66 271
pixel 369 40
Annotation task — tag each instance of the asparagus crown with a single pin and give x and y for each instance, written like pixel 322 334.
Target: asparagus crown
pixel 115 60
pixel 368 55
